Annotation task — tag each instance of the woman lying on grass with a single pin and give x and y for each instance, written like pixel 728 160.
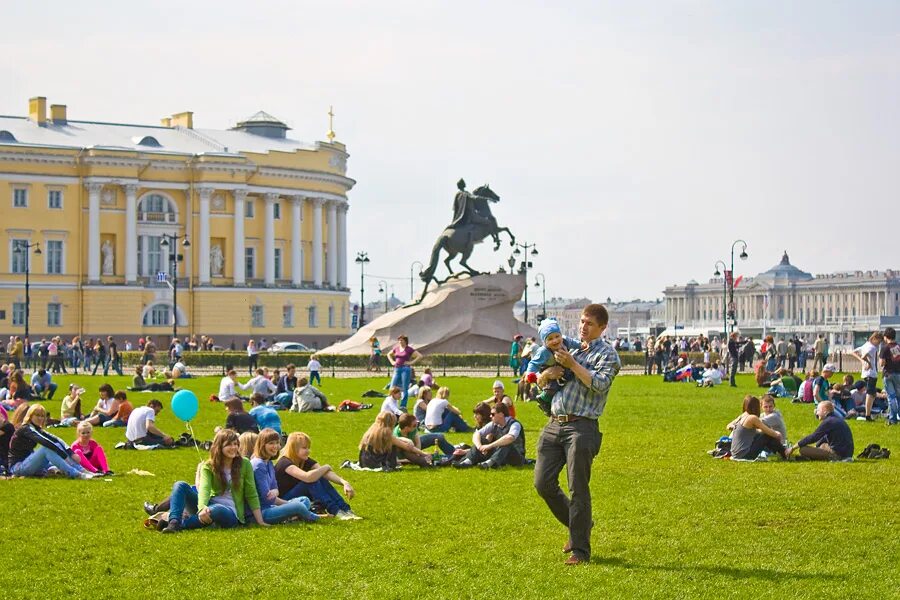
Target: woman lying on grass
pixel 299 475
pixel 274 509
pixel 226 492
pixel 750 436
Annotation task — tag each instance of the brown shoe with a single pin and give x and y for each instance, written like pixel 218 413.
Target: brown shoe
pixel 574 560
pixel 568 547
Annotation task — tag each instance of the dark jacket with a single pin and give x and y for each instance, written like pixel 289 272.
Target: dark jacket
pixel 27 437
pixel 834 431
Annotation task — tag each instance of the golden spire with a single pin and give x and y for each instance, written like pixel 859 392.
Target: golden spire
pixel 330 134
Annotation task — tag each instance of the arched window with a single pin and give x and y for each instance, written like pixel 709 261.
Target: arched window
pixel 160 315
pixel 6 136
pixel 156 208
pixel 147 140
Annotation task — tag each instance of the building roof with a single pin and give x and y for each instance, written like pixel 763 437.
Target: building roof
pixel 783 272
pixel 178 140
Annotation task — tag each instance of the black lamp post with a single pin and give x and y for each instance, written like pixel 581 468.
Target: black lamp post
pixel 174 259
pixel 543 285
pixel 529 251
pixel 411 267
pixel 382 289
pixel 724 298
pixel 743 256
pixel 22 249
pixel 361 259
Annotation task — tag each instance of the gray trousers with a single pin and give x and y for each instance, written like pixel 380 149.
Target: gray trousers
pixel 573 446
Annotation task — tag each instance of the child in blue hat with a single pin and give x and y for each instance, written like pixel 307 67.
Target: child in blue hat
pixel 542 358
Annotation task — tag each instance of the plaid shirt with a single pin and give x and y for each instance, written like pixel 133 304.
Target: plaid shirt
pixel 602 361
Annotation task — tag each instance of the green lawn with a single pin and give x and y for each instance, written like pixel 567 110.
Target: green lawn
pixel 671 522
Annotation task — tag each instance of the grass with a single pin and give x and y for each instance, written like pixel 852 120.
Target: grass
pixel 671 522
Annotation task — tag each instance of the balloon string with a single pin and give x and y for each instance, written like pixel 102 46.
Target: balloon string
pixel 193 439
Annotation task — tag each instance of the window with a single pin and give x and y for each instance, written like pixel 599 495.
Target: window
pixel 248 208
pixel 250 262
pixel 18 259
pixel 256 316
pixel 54 314
pixel 20 197
pixel 155 262
pixel 54 257
pixel 331 316
pixel 156 208
pixel 312 316
pixel 54 199
pixel 159 314
pixel 18 317
pixel 287 315
pixel 277 209
pixel 277 263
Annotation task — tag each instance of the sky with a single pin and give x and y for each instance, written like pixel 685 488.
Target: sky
pixel 632 143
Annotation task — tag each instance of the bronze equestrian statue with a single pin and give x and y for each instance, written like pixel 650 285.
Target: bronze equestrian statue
pixel 472 222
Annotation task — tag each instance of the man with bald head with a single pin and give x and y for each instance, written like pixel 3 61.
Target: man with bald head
pixel 832 439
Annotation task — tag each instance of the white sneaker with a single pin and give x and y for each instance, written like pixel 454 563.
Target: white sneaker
pixel 85 475
pixel 347 515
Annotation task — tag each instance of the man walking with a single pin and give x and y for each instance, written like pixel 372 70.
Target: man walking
pixel 572 437
pixel 734 350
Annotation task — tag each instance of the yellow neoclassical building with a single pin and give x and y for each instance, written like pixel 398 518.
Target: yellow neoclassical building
pixel 254 223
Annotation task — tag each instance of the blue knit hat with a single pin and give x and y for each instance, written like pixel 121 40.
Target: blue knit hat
pixel 547 327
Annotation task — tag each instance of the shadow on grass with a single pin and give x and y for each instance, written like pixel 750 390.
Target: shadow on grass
pixel 733 572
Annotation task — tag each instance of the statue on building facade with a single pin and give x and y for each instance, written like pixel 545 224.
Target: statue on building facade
pixel 472 222
pixel 108 258
pixel 216 260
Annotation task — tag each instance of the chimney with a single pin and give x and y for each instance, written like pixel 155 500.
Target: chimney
pixel 166 121
pixel 37 110
pixel 183 119
pixel 58 114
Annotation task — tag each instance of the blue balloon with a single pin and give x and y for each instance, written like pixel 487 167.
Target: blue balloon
pixel 185 405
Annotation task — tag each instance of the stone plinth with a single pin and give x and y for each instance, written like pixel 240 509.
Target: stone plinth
pixel 462 316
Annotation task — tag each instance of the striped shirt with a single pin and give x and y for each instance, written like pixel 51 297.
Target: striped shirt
pixel 602 361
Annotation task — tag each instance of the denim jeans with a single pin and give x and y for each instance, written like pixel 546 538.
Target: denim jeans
pixel 42 459
pixel 50 388
pixel 427 440
pixel 285 399
pixel 185 496
pixel 451 420
pixel 321 491
pixel 892 388
pixel 297 507
pixel 401 380
pixel 315 378
pixel 115 423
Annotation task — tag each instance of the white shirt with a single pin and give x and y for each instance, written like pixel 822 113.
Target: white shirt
pixel 314 365
pixel 262 385
pixel 227 388
pixel 137 422
pixel 713 375
pixel 870 350
pixel 434 414
pixel 390 405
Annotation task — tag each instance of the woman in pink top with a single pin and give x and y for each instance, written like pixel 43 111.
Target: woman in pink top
pixel 402 357
pixel 88 451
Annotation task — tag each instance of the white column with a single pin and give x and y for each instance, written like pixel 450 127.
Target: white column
pixel 332 254
pixel 342 245
pixel 94 231
pixel 317 241
pixel 269 241
pixel 296 241
pixel 203 247
pixel 131 233
pixel 238 242
pixel 186 268
pixel 145 244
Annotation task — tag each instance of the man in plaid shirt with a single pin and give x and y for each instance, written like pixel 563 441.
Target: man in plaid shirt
pixel 572 437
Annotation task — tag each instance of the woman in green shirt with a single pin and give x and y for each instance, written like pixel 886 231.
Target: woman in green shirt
pixel 226 490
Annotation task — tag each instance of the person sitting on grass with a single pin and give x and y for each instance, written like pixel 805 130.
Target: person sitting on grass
pixel 33 451
pixel 428 379
pixel 226 493
pixel 308 399
pixel 148 371
pixel 763 376
pixel 107 406
pixel 299 475
pixel 507 445
pixel 142 430
pixel 265 416
pixel 247 442
pixel 441 416
pixel 6 432
pixel 805 391
pixel 750 436
pixel 832 439
pixel 772 417
pixel 499 395
pixel 821 388
pixel 377 447
pixel 42 383
pixel 274 509
pixel 70 409
pixel 408 428
pixel 287 383
pixel 711 375
pixel 785 384
pixel 391 403
pixel 421 405
pixel 262 385
pixel 482 414
pixel 89 453
pixel 120 419
pixel 238 419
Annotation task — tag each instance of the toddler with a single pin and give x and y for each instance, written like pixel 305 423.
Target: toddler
pixel 542 358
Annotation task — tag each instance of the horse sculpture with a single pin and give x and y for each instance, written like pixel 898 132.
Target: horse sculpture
pixel 472 222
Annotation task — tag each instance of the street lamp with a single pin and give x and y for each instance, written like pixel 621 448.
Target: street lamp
pixel 743 256
pixel 22 250
pixel 382 289
pixel 543 285
pixel 724 298
pixel 174 259
pixel 361 259
pixel 529 251
pixel 411 267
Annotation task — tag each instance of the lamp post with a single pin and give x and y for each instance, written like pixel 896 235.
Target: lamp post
pixel 529 251
pixel 382 289
pixel 361 259
pixel 543 285
pixel 724 299
pixel 730 280
pixel 22 249
pixel 411 267
pixel 174 259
